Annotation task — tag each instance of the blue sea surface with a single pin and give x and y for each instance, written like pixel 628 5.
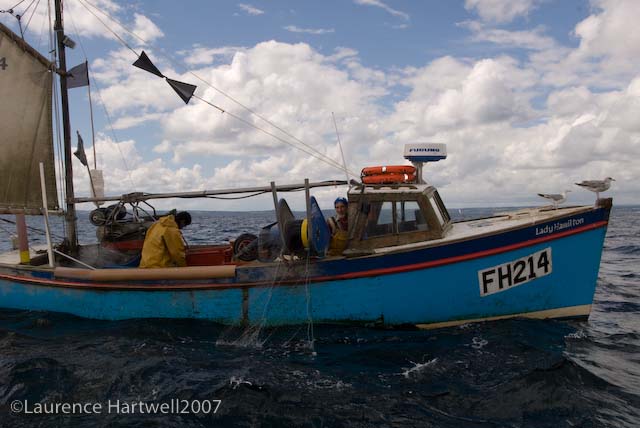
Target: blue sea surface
pixel 514 373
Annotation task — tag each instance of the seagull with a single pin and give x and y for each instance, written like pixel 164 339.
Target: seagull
pixel 597 185
pixel 556 198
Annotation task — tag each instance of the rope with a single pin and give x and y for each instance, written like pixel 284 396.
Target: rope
pixel 42 33
pixel 329 161
pixel 318 153
pixel 8 232
pixel 102 103
pixel 313 152
pixel 27 8
pixel 31 228
pixel 344 161
pixel 10 10
pixel 116 21
pixel 93 132
pixel 26 27
pixel 108 28
pixel 310 332
pixel 113 132
pixel 56 108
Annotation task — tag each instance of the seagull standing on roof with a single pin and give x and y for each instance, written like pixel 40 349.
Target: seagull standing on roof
pixel 556 198
pixel 597 185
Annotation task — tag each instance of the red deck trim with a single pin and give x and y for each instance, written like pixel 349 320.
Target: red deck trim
pixel 361 274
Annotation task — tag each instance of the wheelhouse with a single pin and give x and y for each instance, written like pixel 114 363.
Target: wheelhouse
pixel 389 215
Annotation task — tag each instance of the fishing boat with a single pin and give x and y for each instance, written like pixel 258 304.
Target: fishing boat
pixel 405 262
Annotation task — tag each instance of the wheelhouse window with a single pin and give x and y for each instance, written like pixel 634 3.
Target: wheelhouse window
pixel 439 209
pixel 436 210
pixel 410 217
pixel 388 217
pixel 380 219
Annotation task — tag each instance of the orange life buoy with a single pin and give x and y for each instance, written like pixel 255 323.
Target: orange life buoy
pixel 388 178
pixel 391 169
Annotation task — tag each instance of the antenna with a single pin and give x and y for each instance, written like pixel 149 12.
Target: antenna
pixel 344 162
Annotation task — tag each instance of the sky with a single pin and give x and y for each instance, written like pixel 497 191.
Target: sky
pixel 530 96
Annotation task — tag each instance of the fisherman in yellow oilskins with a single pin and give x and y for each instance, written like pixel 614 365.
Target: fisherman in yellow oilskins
pixel 164 244
pixel 339 226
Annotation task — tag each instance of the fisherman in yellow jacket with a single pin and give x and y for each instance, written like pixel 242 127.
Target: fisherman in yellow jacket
pixel 339 227
pixel 163 244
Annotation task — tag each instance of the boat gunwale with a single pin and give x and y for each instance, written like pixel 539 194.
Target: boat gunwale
pixel 100 286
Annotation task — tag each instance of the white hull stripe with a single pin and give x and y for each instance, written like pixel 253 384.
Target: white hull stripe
pixel 571 311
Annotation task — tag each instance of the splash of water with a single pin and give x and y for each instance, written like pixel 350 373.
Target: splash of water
pixel 417 368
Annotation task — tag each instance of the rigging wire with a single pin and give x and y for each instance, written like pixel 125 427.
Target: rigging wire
pixel 344 161
pixel 31 228
pixel 113 132
pixel 26 27
pixel 8 232
pixel 11 8
pixel 310 333
pixel 93 132
pixel 104 106
pixel 42 33
pixel 107 27
pixel 314 152
pixel 330 162
pixel 62 191
pixel 322 155
pixel 17 16
pixel 27 8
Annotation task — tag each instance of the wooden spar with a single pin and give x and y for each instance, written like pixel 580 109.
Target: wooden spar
pixel 136 197
pixel 70 218
pixel 23 239
pixel 45 212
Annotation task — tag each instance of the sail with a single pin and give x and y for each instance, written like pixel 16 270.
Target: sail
pixel 26 125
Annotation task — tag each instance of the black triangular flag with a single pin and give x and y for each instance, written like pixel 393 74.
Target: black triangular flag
pixel 185 90
pixel 145 63
pixel 80 154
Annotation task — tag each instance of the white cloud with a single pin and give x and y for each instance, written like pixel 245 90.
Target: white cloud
pixel 342 53
pixel 382 5
pixel 294 29
pixel 501 11
pixel 613 32
pixel 85 20
pixel 515 126
pixel 132 91
pixel 609 44
pixel 526 39
pixel 449 94
pixel 280 79
pixel 125 169
pixel 200 55
pixel 146 29
pixel 126 122
pixel 251 10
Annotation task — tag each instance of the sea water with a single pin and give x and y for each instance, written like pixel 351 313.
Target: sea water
pixel 514 373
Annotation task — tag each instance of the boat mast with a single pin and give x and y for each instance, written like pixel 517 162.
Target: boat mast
pixel 70 218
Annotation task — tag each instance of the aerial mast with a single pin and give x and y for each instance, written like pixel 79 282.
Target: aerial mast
pixel 70 218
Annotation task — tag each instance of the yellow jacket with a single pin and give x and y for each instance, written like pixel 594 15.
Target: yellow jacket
pixel 163 245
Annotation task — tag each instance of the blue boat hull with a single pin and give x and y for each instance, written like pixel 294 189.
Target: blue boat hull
pixel 424 286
